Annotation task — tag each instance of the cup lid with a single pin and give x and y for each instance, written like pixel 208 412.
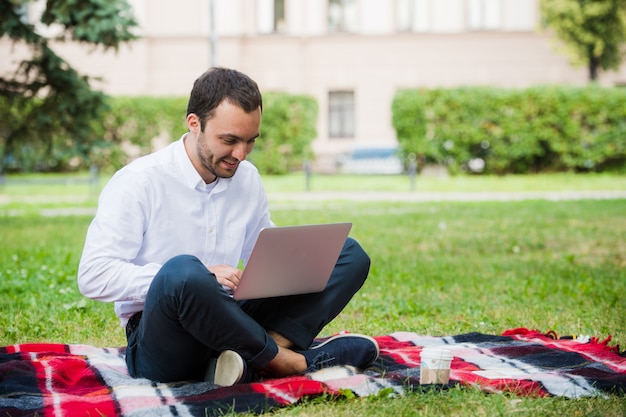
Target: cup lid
pixel 436 353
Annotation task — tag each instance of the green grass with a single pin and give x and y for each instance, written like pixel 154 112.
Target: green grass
pixel 437 268
pixel 520 183
pixel 58 190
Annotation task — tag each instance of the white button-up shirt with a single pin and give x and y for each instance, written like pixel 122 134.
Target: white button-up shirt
pixel 158 207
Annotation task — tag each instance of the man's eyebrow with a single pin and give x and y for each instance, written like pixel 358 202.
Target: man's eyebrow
pixel 238 138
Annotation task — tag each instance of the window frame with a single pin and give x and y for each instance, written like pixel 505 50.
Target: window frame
pixel 341 114
pixel 413 16
pixel 484 15
pixel 270 16
pixel 346 18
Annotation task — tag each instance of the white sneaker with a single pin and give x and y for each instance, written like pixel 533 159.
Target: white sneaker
pixel 226 370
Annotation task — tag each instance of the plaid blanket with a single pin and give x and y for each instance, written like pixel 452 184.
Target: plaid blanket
pixel 61 380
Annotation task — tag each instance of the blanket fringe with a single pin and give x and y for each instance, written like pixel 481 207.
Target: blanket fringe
pixel 523 331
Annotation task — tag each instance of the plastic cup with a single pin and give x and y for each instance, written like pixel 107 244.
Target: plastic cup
pixel 435 365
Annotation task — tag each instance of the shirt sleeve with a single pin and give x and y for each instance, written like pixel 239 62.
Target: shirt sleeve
pixel 114 238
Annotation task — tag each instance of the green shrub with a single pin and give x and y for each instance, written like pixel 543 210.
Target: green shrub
pixel 137 122
pixel 540 129
pixel 136 126
pixel 287 131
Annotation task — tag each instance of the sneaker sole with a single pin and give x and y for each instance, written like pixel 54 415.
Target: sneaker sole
pixel 341 336
pixel 229 369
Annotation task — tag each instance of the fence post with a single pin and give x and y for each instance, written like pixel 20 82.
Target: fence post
pixel 94 181
pixel 412 170
pixel 307 175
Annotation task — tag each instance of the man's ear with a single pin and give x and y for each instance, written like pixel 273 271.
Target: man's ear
pixel 193 123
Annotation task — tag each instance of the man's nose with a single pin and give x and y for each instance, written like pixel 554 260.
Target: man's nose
pixel 240 151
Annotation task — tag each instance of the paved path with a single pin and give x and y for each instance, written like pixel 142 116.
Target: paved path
pixel 422 196
pixel 289 199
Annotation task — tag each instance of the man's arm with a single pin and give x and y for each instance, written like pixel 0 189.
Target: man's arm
pixel 113 239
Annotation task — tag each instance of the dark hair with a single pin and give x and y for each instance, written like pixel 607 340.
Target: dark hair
pixel 219 84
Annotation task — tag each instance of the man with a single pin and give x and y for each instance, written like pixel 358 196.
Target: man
pixel 171 228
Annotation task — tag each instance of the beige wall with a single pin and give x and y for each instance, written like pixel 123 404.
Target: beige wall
pixel 374 62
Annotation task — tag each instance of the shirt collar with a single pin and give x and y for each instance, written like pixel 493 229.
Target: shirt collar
pixel 190 176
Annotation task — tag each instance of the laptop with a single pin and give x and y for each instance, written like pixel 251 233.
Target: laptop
pixel 292 260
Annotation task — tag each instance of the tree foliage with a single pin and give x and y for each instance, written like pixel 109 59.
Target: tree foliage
pixel 593 31
pixel 45 103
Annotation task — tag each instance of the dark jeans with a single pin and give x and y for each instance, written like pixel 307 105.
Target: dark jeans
pixel 188 318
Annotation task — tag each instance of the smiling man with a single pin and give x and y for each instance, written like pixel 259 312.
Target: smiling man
pixel 165 243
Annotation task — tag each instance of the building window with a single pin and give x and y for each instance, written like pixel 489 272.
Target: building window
pixel 342 16
pixel 341 114
pixel 413 15
pixel 270 16
pixel 279 15
pixel 484 14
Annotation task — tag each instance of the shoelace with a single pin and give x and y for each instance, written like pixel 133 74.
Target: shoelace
pixel 249 375
pixel 322 360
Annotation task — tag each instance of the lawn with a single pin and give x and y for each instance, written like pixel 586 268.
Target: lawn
pixel 438 268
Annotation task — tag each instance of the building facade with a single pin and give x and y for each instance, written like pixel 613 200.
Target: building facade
pixel 350 55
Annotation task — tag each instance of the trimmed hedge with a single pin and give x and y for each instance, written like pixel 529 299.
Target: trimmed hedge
pixel 136 126
pixel 287 129
pixel 287 132
pixel 133 125
pixel 540 129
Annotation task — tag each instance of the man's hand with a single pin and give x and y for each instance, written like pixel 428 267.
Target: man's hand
pixel 226 275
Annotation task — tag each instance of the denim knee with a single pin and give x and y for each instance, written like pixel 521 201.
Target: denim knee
pixel 357 257
pixel 185 275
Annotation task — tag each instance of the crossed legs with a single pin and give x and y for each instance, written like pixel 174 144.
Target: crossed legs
pixel 188 319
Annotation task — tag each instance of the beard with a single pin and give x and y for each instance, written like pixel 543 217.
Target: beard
pixel 211 163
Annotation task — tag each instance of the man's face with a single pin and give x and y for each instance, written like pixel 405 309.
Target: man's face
pixel 227 139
